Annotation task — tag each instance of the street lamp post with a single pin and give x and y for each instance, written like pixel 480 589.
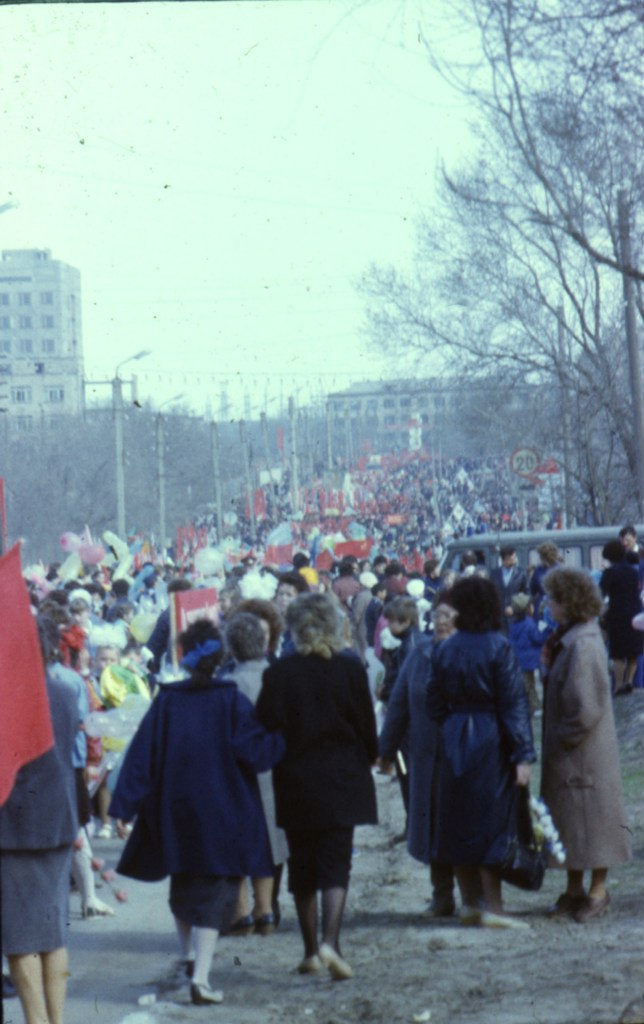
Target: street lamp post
pixel 161 470
pixel 117 403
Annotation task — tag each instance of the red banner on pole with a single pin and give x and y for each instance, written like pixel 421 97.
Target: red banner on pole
pixel 25 722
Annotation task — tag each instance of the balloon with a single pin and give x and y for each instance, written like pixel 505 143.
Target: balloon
pixel 142 625
pixel 208 561
pixel 92 554
pixel 119 546
pixel 70 542
pixel 122 571
pixel 71 567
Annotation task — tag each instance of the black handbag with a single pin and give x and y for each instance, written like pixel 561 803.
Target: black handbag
pixel 524 863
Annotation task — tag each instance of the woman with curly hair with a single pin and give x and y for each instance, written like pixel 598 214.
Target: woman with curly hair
pixel 477 695
pixel 581 778
pixel 319 699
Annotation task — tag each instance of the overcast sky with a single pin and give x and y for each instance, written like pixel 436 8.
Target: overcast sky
pixel 222 174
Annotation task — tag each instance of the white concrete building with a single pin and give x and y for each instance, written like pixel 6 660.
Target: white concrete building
pixel 41 348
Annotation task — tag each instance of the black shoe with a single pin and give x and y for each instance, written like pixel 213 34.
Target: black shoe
pixel 189 967
pixel 242 926
pixel 265 924
pixel 9 990
pixel 440 908
pixel 204 995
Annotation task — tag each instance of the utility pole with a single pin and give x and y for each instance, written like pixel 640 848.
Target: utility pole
pixel 635 363
pixel 295 482
pixel 216 473
pixel 267 451
pixel 565 408
pixel 161 474
pixel 161 480
pixel 117 401
pixel 329 445
pixel 249 488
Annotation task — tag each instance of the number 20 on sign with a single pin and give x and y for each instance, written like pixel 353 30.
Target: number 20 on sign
pixel 524 461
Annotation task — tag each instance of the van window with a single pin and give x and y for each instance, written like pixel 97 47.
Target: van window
pixel 573 558
pixel 596 560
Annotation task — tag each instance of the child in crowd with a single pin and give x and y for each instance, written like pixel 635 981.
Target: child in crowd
pixel 527 640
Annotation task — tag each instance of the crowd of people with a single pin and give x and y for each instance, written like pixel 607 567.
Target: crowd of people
pixel 406 504
pixel 262 724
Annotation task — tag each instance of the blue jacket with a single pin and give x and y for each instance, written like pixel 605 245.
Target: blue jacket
pixel 477 696
pixel 527 641
pixel 408 726
pixel 190 776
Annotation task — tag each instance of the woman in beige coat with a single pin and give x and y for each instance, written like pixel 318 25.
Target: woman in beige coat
pixel 581 781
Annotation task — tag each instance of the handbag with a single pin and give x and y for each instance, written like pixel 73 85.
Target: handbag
pixel 524 862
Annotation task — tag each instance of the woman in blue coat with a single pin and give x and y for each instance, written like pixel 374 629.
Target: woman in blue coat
pixel 477 696
pixel 189 777
pixel 407 725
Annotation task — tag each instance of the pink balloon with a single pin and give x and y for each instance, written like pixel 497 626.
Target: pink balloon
pixel 92 554
pixel 70 542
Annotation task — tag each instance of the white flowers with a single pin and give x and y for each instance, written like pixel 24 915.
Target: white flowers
pixel 545 829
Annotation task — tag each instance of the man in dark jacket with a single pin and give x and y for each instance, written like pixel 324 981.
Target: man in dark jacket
pixel 509 580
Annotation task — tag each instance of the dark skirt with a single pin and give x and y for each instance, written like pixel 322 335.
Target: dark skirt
pixel 319 859
pixel 204 901
pixel 35 899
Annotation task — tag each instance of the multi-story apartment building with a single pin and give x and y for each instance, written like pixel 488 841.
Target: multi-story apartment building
pixel 389 413
pixel 41 349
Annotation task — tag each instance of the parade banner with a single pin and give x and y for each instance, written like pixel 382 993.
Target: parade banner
pixel 358 548
pixel 25 723
pixel 186 607
pixel 278 554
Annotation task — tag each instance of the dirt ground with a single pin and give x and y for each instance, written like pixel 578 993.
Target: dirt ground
pixel 408 968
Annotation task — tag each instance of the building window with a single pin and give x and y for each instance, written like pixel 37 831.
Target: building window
pixel 5 323
pixel 5 369
pixel 46 298
pixel 56 395
pixel 389 403
pixel 5 345
pixel 47 321
pixel 405 403
pixel 24 423
pixel 24 322
pixel 21 395
pixel 47 345
pixel 389 421
pixel 25 346
pixel 24 298
pixel 4 298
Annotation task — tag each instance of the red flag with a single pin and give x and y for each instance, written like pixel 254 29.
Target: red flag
pixel 25 723
pixel 359 548
pixel 278 554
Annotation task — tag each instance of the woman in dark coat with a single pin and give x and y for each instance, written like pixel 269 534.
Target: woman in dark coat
pixel 621 586
pixel 190 777
pixel 477 696
pixel 409 727
pixel 320 700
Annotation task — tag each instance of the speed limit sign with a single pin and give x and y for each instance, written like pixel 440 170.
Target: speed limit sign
pixel 524 461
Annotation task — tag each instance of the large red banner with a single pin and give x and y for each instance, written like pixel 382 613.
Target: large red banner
pixel 25 722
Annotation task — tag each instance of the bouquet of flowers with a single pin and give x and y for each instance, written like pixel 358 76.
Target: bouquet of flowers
pixel 545 830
